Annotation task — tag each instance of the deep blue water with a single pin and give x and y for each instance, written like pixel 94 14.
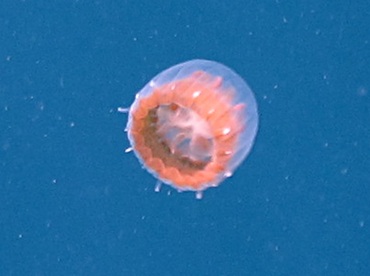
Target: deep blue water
pixel 73 203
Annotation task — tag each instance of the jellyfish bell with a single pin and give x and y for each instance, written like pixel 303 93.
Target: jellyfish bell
pixel 193 124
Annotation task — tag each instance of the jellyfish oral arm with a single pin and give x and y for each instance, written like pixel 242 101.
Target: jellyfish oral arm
pixel 185 132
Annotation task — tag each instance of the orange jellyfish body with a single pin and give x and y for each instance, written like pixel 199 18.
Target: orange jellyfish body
pixel 193 124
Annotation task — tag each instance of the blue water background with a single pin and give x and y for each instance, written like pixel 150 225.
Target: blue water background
pixel 73 203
